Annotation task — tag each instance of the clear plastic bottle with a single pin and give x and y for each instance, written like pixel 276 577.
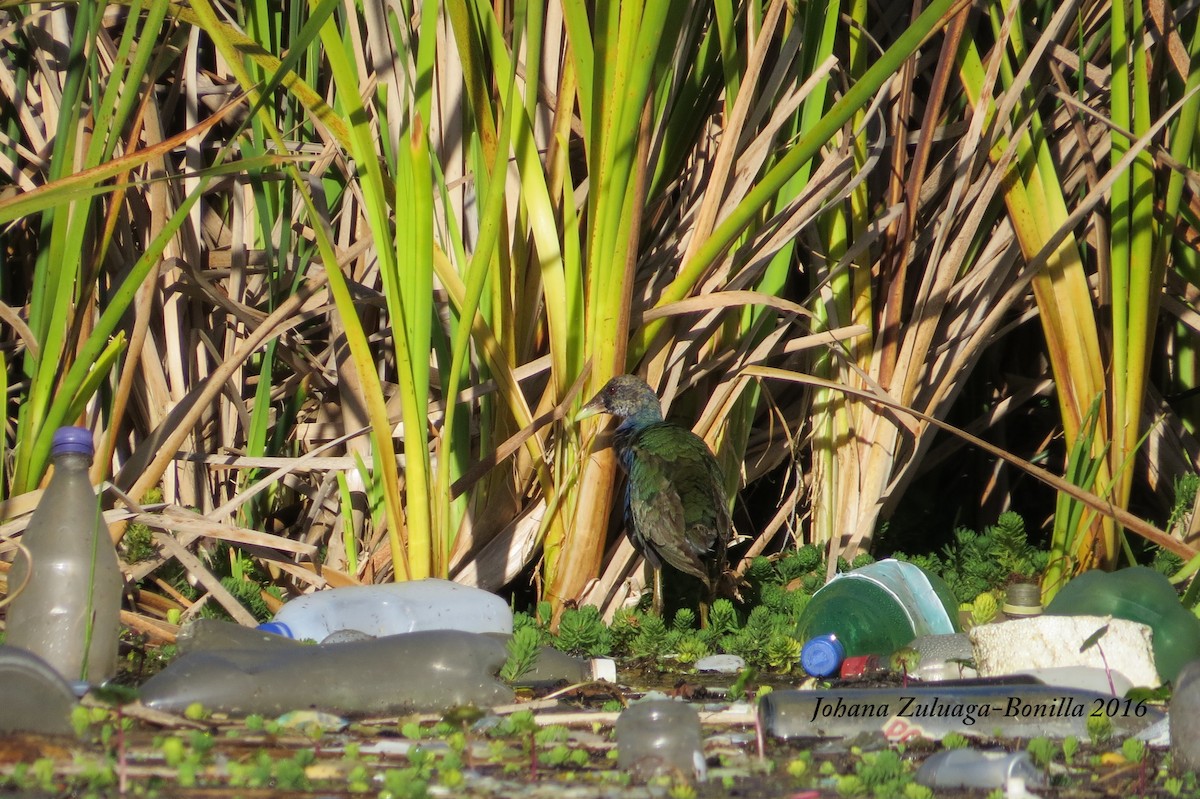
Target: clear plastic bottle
pixel 661 737
pixel 874 610
pixel 978 770
pixel 68 612
pixel 391 609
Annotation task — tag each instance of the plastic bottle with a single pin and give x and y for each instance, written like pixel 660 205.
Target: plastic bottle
pixel 33 696
pixel 206 635
pixel 392 608
pixel 68 613
pixel 429 671
pixel 661 736
pixel 943 657
pixel 874 610
pixel 971 768
pixel 1136 594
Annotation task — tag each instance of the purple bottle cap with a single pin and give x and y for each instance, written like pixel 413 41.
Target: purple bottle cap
pixel 822 655
pixel 72 439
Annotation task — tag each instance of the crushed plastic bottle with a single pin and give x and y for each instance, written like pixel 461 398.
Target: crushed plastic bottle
pixel 33 695
pixel 1137 594
pixel 661 736
pixel 972 768
pixel 392 608
pixel 206 635
pixel 68 613
pixel 874 610
pixel 428 671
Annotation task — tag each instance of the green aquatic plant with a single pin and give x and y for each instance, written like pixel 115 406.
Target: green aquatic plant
pixel 523 648
pixel 684 620
pixel 1042 750
pixel 651 640
pixel 691 649
pixel 781 653
pixel 914 790
pixel 722 617
pixel 581 631
pixel 975 563
pixel 954 740
pixel 1099 728
pixel 984 608
pixel 850 785
pixel 1133 750
pixel 881 771
pixel 1070 746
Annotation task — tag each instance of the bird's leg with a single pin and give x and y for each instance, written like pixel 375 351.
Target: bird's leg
pixel 658 591
pixel 710 596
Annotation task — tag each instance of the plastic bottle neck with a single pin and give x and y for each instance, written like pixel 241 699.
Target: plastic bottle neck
pixel 71 460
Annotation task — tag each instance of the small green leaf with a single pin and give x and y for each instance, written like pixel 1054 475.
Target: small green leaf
pixel 1093 639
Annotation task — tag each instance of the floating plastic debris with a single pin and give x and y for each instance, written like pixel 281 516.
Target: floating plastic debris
pixel 392 608
pixel 661 737
pixel 431 671
pixel 972 768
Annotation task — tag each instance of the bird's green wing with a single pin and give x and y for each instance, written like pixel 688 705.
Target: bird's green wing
pixel 676 499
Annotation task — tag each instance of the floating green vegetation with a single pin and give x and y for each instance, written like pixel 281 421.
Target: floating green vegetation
pixel 759 628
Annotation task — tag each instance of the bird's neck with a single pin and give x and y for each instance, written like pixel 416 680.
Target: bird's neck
pixel 628 429
pixel 639 421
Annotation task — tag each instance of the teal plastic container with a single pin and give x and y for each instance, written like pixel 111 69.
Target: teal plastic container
pixel 878 609
pixel 1136 594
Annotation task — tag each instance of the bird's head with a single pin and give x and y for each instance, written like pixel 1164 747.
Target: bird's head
pixel 625 396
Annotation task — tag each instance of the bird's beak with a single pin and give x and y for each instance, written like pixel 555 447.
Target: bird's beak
pixel 591 409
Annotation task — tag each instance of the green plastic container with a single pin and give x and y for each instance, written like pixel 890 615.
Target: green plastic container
pixel 1136 594
pixel 880 608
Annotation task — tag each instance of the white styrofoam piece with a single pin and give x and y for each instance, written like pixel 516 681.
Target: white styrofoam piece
pixel 1050 641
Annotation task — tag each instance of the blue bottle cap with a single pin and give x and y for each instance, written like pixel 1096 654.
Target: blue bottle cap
pixel 276 628
pixel 822 655
pixel 72 439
